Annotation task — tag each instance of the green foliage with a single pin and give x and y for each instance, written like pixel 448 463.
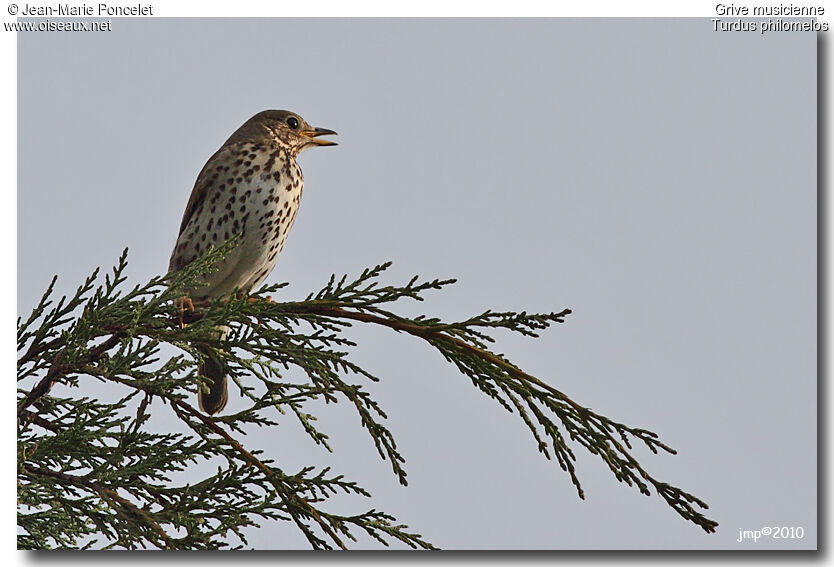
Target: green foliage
pixel 94 474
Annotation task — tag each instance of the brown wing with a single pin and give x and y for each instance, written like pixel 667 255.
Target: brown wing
pixel 206 184
pixel 205 180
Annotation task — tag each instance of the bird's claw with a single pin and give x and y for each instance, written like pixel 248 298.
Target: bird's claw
pixel 184 304
pixel 268 299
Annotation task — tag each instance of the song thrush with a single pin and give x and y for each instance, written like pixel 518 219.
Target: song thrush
pixel 251 187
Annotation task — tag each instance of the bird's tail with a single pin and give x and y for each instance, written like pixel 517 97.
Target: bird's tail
pixel 213 368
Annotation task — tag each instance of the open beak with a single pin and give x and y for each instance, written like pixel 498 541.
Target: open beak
pixel 316 132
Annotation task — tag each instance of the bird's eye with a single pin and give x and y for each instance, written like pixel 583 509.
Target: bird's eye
pixel 292 121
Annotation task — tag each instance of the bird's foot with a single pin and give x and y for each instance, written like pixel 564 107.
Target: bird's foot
pixel 185 305
pixel 268 299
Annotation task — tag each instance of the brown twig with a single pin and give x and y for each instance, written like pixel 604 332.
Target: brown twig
pixel 107 494
pixel 57 370
pixel 254 461
pixel 427 332
pixel 36 350
pixel 32 417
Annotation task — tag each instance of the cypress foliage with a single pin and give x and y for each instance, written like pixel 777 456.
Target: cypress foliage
pixel 93 474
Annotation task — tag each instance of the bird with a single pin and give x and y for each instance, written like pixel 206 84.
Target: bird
pixel 250 189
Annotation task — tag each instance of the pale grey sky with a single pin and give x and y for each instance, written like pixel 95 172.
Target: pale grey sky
pixel 656 177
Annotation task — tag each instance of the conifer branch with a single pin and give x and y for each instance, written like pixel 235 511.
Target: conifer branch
pixel 91 473
pixel 139 519
pixel 280 486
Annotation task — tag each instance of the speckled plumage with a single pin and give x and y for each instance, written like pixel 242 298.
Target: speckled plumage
pixel 250 187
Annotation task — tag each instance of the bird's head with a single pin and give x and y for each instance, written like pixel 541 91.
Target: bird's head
pixel 284 128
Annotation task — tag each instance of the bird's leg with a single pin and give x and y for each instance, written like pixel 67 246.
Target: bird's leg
pixel 242 294
pixel 184 304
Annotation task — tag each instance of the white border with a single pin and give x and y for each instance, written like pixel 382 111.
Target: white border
pixel 249 8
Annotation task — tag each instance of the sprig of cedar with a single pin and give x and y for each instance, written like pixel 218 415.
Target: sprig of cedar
pixel 92 474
